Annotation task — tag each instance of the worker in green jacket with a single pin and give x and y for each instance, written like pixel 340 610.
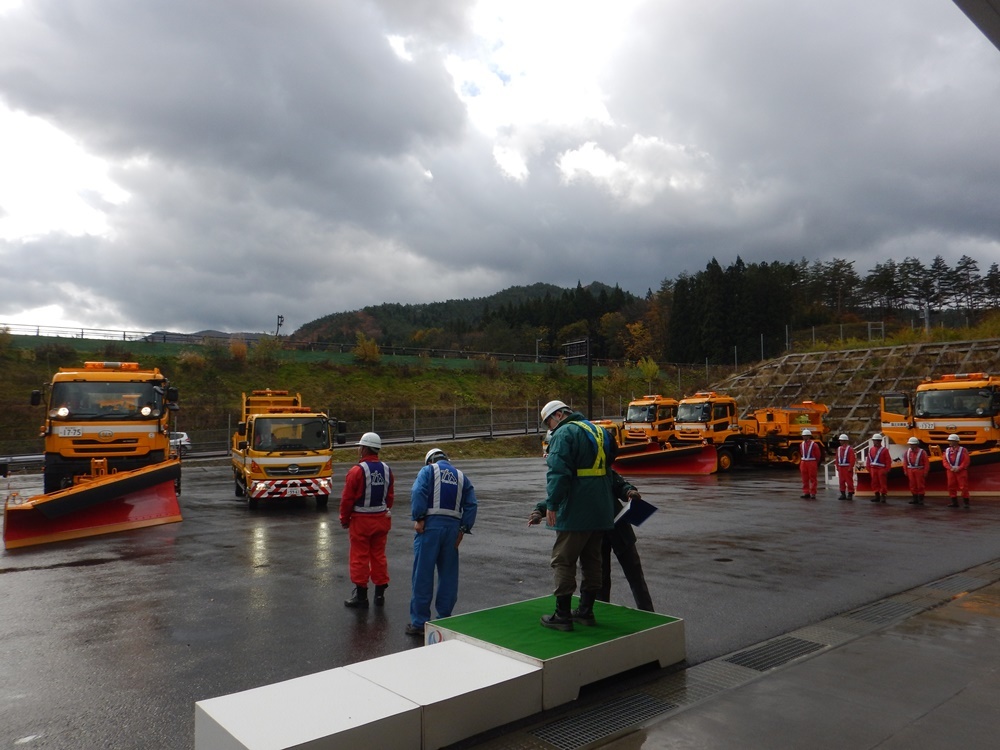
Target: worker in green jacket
pixel 579 506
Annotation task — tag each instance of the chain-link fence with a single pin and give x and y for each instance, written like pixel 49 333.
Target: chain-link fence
pixel 392 425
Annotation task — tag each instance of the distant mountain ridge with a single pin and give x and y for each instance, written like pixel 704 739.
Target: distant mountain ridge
pixel 398 322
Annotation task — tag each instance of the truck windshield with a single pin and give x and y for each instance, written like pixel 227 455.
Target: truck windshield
pixel 694 412
pixel 290 434
pixel 86 401
pixel 641 413
pixel 956 402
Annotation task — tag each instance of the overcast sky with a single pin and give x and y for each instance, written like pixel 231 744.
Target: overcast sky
pixel 195 164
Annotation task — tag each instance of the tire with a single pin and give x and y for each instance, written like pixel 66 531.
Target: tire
pixel 322 502
pixel 240 492
pixel 725 459
pixel 252 503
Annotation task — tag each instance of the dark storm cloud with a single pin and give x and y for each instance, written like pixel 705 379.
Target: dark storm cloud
pixel 283 158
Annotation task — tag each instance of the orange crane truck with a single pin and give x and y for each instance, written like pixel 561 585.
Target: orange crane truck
pixel 760 437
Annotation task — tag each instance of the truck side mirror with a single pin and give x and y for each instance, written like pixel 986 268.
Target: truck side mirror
pixel 36 398
pixel 172 394
pixel 340 429
pixel 242 445
pixel 241 429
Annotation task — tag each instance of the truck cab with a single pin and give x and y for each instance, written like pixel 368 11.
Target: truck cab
pixel 966 404
pixel 104 410
pixel 649 419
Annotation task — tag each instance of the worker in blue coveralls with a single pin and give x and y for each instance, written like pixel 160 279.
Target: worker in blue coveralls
pixel 443 506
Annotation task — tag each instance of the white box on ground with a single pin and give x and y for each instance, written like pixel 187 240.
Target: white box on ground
pixel 464 689
pixel 332 709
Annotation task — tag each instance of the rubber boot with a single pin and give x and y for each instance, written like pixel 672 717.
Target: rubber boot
pixel 915 500
pixel 920 499
pixel 843 496
pixel 359 599
pixel 954 503
pixel 876 498
pixel 562 618
pixel 850 495
pixel 380 594
pixel 884 496
pixel 966 501
pixel 584 614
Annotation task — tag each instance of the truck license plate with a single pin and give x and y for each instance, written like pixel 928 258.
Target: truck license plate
pixel 294 492
pixel 70 432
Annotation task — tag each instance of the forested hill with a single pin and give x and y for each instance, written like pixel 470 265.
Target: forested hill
pixel 456 323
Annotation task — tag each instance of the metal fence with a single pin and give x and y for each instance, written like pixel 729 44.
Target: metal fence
pixel 415 425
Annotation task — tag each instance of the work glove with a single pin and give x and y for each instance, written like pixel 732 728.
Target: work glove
pixel 536 517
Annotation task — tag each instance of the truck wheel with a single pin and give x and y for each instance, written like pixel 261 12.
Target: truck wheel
pixel 252 503
pixel 240 492
pixel 725 459
pixel 322 502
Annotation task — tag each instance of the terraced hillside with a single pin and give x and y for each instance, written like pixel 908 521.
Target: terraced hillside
pixel 850 382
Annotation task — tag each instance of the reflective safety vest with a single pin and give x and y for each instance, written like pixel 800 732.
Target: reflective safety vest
pixel 876 456
pixel 446 497
pixel 808 451
pixel 844 454
pixel 596 435
pixel 953 456
pixel 916 459
pixel 376 488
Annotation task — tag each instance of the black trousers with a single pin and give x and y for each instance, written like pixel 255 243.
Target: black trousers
pixel 621 541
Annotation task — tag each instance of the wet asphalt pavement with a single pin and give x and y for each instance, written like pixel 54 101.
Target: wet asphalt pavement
pixel 108 642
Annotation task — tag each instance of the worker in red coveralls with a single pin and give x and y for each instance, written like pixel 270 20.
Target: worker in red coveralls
pixel 845 467
pixel 916 464
pixel 809 456
pixel 956 467
pixel 364 512
pixel 878 461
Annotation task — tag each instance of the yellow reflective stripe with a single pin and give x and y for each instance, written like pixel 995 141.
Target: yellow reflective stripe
pixel 599 469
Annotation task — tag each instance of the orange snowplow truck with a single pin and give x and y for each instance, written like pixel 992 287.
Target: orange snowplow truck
pixel 963 404
pixel 106 410
pixel 761 437
pixel 649 419
pixel 282 449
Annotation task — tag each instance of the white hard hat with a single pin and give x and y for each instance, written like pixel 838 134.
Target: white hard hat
pixel 877 436
pixel 551 408
pixel 843 437
pixel 954 437
pixel 807 433
pixel 433 455
pixel 913 441
pixel 371 440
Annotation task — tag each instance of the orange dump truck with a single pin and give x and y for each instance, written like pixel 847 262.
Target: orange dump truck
pixel 282 449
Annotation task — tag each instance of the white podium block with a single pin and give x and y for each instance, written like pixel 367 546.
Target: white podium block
pixel 332 709
pixel 463 689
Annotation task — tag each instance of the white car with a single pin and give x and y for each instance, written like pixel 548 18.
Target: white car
pixel 180 442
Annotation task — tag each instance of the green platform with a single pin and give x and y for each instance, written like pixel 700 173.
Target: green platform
pixel 623 639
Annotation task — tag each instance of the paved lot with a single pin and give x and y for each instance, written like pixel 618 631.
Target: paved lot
pixel 109 641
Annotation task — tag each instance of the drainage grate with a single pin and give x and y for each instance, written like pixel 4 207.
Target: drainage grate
pixel 615 716
pixel 774 653
pixel 884 611
pixel 956 584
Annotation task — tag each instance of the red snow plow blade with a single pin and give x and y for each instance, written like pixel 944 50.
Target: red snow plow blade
pixel 650 458
pixel 984 477
pixel 100 503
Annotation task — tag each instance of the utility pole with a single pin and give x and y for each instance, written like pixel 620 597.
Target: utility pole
pixel 281 319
